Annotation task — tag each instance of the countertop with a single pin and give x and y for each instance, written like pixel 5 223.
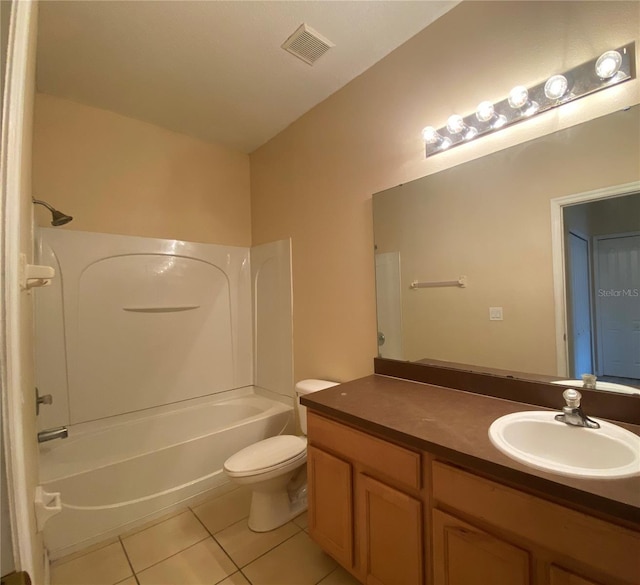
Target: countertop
pixel 454 425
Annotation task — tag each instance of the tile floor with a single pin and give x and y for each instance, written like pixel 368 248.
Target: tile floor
pixel 205 545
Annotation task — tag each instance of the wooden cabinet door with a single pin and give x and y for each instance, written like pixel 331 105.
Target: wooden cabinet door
pixel 560 576
pixel 330 504
pixel 465 555
pixel 389 533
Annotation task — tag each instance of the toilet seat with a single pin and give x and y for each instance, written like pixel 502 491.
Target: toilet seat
pixel 267 455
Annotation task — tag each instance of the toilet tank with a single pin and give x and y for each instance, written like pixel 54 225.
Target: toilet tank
pixel 307 387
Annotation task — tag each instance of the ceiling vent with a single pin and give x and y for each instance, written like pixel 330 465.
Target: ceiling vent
pixel 307 44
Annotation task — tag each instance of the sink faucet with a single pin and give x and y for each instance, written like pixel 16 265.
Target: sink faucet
pixel 589 381
pixel 572 413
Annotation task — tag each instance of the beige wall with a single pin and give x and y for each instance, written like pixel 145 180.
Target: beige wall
pixel 314 181
pixel 489 220
pixel 118 175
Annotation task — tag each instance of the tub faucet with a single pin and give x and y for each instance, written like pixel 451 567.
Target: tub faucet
pixel 572 413
pixel 50 434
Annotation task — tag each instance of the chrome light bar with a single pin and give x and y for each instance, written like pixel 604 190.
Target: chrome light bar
pixel 607 70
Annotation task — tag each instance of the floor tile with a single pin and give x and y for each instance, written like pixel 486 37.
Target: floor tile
pixel 297 561
pixel 243 545
pixel 235 579
pixel 105 566
pixel 163 540
pixel 302 521
pixel 225 510
pixel 201 564
pixel 339 577
pixel 129 581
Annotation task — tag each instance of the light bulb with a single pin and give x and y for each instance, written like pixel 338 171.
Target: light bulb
pixel 500 122
pixel 608 64
pixel 518 96
pixel 470 133
pixel 455 124
pixel 556 87
pixel 430 135
pixel 485 111
pixel 532 108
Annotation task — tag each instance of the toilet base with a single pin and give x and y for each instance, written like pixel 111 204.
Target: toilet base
pixel 270 511
pixel 277 501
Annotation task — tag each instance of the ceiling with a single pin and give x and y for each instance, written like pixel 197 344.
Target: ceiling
pixel 215 69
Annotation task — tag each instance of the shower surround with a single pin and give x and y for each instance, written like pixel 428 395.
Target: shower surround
pixel 163 358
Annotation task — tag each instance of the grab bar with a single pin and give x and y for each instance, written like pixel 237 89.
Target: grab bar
pixel 169 309
pixel 461 283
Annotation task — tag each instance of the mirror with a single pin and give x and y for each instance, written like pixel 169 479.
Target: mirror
pixel 489 221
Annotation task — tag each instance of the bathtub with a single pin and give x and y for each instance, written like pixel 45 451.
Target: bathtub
pixel 120 472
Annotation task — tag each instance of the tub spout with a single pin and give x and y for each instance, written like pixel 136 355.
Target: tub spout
pixel 50 434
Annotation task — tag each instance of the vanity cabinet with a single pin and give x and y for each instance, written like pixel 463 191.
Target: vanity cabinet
pixel 366 503
pixel 466 555
pixel 394 516
pixel 559 576
pixel 330 504
pixel 561 545
pixel 389 524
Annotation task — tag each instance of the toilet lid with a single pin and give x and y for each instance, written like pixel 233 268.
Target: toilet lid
pixel 267 453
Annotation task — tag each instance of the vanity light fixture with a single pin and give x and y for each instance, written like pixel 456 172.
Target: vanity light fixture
pixel 610 68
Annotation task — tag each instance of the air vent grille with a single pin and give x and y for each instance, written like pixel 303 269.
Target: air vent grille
pixel 306 44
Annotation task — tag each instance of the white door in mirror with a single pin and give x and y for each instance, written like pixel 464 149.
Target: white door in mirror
pixel 536 439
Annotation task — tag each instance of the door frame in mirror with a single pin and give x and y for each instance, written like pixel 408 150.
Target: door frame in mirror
pixel 558 258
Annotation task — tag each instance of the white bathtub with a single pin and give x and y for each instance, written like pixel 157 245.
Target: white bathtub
pixel 117 473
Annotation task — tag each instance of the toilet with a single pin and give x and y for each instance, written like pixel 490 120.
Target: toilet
pixel 275 470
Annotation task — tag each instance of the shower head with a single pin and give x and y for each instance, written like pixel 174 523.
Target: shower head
pixel 58 218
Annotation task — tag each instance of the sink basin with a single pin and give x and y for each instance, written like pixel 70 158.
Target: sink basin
pixel 536 439
pixel 608 386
